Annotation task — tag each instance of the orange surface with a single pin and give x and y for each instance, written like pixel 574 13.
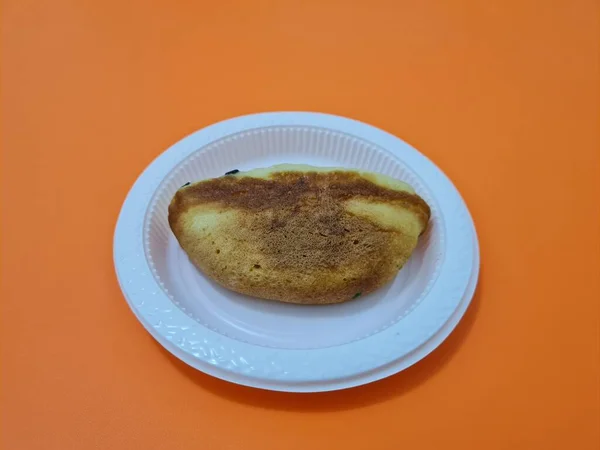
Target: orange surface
pixel 502 95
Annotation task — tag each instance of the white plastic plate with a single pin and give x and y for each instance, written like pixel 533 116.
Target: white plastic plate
pixel 287 347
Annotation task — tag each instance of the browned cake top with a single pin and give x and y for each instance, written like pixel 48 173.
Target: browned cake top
pixel 296 225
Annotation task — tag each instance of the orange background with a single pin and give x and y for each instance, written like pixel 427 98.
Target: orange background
pixel 502 95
